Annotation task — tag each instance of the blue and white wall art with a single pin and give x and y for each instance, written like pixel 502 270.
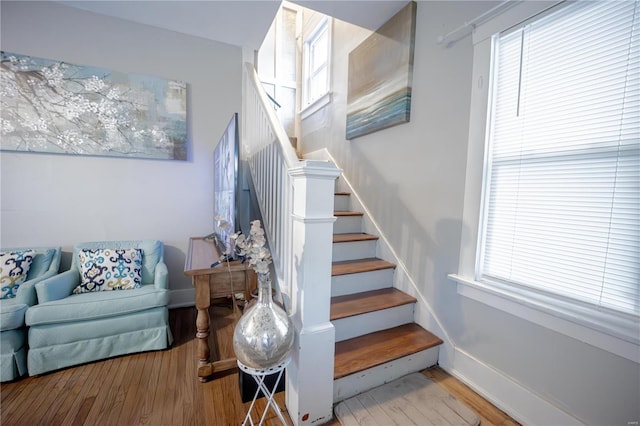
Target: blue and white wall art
pixel 58 107
pixel 380 75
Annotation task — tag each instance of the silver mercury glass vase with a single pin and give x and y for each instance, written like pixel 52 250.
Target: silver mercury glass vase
pixel 263 336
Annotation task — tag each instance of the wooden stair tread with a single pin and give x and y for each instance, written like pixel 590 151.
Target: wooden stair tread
pixel 364 352
pixel 368 301
pixel 359 236
pixel 345 267
pixel 341 213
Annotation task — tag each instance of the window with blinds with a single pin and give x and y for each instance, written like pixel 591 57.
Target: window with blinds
pixel 317 52
pixel 561 201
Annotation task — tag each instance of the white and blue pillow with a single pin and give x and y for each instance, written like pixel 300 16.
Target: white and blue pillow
pixel 109 269
pixel 14 267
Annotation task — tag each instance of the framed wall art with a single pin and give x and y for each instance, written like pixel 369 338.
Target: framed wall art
pixel 58 107
pixel 380 76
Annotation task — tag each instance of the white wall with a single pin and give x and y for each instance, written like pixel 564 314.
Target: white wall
pixel 412 178
pixel 62 200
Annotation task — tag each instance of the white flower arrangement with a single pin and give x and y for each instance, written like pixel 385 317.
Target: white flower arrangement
pixel 252 248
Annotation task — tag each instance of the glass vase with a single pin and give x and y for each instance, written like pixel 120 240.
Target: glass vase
pixel 263 336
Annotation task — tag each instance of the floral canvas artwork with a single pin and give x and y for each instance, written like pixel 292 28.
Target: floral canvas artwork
pixel 380 76
pixel 58 107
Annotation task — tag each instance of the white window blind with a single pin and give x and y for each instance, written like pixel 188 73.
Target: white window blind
pixel 561 203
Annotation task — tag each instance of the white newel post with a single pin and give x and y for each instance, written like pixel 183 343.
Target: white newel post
pixel 309 392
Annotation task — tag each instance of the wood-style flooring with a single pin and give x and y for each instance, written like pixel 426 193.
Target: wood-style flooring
pixel 161 388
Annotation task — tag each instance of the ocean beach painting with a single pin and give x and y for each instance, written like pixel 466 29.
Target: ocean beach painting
pixel 380 75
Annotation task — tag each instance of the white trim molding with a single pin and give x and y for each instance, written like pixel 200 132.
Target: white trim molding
pixel 618 334
pixel 315 106
pixel 521 403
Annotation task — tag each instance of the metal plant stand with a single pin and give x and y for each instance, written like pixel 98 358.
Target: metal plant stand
pixel 259 375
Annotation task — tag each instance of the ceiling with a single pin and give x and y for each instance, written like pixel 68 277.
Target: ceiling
pixel 237 22
pixel 369 14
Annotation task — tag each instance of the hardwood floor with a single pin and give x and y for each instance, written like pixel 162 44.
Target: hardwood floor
pixel 489 414
pixel 161 388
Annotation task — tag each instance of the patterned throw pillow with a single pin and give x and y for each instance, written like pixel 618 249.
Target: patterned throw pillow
pixel 109 269
pixel 14 267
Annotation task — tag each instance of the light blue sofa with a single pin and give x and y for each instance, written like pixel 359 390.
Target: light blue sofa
pixel 13 333
pixel 69 329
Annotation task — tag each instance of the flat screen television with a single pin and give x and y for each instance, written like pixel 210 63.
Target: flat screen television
pixel 225 186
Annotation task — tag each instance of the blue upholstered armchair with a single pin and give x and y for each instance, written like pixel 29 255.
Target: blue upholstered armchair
pixel 13 333
pixel 96 310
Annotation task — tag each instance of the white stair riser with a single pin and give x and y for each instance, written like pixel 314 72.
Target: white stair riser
pixel 341 203
pixel 363 281
pixel 354 384
pixel 341 185
pixel 358 325
pixel 354 250
pixel 347 328
pixel 347 224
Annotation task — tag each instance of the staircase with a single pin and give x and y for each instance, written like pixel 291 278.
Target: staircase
pixel 376 338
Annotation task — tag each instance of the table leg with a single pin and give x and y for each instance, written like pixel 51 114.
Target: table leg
pixel 202 334
pixel 203 302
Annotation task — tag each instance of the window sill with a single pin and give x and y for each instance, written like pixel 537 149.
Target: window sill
pixel 610 331
pixel 315 105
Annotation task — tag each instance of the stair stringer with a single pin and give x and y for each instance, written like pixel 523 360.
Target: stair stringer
pixel 424 315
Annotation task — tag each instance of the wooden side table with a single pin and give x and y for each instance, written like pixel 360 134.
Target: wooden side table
pixel 211 283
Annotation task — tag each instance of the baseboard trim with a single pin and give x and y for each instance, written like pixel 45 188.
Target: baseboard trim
pixel 182 298
pixel 502 391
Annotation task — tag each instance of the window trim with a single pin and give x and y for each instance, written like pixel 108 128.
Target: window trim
pixel 612 331
pixel 315 105
pixel 309 107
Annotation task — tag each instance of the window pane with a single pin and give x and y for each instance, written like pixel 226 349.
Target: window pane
pixel 318 84
pixel 319 51
pixel 562 196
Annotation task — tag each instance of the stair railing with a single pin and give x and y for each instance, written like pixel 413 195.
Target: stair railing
pixel 296 202
pixel 266 148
